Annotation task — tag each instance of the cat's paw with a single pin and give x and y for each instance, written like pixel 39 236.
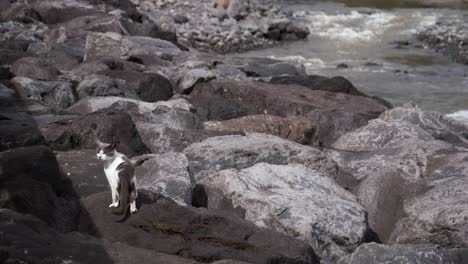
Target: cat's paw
pixel 133 210
pixel 116 204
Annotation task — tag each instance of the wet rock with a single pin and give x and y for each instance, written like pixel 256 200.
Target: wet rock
pixel 150 87
pixel 166 174
pixel 163 226
pixel 25 237
pixel 34 68
pixel 284 29
pixel 56 94
pixel 32 184
pixel 379 254
pixel 224 152
pixel 295 128
pixel 294 200
pixel 99 85
pixel 124 47
pixel 180 19
pixel 276 69
pixel 108 125
pixel 342 66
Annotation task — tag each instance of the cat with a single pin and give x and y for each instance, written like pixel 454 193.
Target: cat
pixel 120 174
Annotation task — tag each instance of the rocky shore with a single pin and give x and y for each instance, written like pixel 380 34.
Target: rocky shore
pixel 238 160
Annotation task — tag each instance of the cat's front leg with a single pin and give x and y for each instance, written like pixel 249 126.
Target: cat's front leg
pixel 115 199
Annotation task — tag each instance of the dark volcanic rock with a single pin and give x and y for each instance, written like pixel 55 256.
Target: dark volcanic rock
pixel 34 68
pixel 105 64
pixel 163 226
pixel 99 85
pixel 150 87
pixel 223 100
pixel 275 69
pixel 53 12
pixel 108 125
pixel 32 183
pixel 26 239
pixel 8 56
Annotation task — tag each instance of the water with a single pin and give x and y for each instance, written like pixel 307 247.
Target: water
pixel 381 51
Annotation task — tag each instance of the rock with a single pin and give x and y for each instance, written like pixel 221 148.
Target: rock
pixel 18 128
pixel 108 125
pixel 238 9
pixel 342 66
pixel 125 47
pixel 180 19
pixel 436 217
pixel 56 94
pixel 84 170
pixel 150 87
pixel 373 253
pixel 294 128
pixel 27 238
pixel 32 183
pixel 6 92
pixel 223 100
pixel 104 64
pixel 53 12
pixel 275 69
pixel 294 200
pixel 166 174
pixel 163 226
pixel 126 6
pixel 284 29
pixel 239 152
pixel 191 77
pixel 99 85
pixel 10 56
pixel 34 68
pixel 62 57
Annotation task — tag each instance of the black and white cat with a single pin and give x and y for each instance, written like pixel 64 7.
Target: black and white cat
pixel 120 174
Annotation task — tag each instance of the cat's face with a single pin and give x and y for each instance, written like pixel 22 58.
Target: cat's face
pixel 105 151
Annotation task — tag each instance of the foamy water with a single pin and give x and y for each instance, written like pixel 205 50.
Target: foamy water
pixel 460 116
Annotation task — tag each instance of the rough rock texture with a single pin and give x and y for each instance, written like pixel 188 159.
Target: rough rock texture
pixel 27 239
pixel 162 226
pixel 294 128
pixel 125 47
pixel 104 64
pixel 373 253
pixel 332 114
pixel 274 69
pixel 150 87
pixel 99 85
pixel 52 12
pixel 166 174
pixel 292 199
pixel 31 183
pixel 34 68
pixel 224 152
pixel 56 94
pixel 107 125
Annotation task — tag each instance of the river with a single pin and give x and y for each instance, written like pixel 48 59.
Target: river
pixel 378 51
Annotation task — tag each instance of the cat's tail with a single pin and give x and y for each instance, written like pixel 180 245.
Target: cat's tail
pixel 124 198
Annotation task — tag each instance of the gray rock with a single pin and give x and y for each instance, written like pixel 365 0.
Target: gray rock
pixel 191 77
pixel 104 64
pixel 56 94
pixel 6 92
pixel 166 174
pixel 53 12
pixel 292 199
pixel 99 85
pixel 125 47
pixel 373 253
pixel 276 69
pixel 34 68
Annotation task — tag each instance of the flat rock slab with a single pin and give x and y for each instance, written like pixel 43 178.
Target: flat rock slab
pixel 163 226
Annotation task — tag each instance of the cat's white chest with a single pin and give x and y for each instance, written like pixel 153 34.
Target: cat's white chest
pixel 112 173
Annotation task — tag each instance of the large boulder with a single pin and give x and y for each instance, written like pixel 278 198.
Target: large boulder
pixel 272 69
pixel 32 183
pixel 294 128
pixel 53 12
pixel 56 94
pixel 166 174
pixel 292 199
pixel 239 152
pixel 104 64
pixel 34 68
pixel 163 226
pixel 26 238
pixel 223 100
pixel 108 125
pixel 373 253
pixel 126 47
pixel 150 87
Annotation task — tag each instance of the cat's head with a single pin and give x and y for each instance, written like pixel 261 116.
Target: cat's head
pixel 105 151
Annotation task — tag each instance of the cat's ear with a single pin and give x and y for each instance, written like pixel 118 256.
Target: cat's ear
pixel 99 142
